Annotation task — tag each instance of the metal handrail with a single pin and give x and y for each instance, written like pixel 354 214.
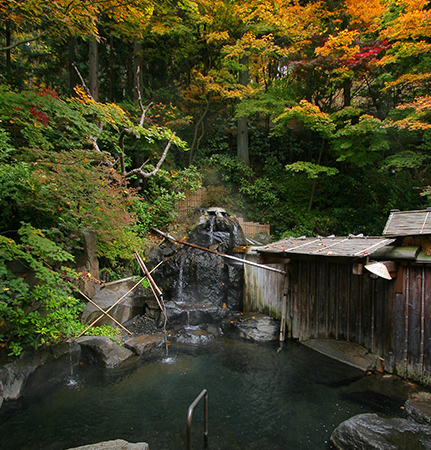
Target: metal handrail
pixel 203 394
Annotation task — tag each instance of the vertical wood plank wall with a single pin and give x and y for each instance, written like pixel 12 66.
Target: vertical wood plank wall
pixel 263 290
pixel 391 318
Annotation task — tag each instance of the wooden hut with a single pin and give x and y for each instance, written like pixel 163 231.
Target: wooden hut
pixel 374 291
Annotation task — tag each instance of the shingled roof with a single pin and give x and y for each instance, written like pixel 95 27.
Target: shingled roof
pixel 350 246
pixel 408 223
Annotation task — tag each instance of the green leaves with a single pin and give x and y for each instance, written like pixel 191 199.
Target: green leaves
pixel 307 115
pixel 311 170
pixel 362 143
pixel 37 307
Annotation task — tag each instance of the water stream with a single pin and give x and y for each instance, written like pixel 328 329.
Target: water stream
pixel 261 396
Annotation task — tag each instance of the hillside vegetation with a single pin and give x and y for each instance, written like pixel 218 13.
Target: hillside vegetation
pixel 312 116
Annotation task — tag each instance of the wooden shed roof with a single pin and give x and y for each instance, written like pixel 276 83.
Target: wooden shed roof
pixel 408 223
pixel 332 246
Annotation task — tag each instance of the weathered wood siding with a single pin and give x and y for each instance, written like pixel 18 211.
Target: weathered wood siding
pixel 263 290
pixel 391 318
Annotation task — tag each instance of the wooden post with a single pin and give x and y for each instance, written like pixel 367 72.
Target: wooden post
pixel 406 326
pixel 283 319
pixel 422 356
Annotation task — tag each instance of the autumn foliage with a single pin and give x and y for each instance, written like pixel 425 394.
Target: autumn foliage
pixel 331 100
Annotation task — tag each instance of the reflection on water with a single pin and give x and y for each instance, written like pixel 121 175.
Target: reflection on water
pixel 260 397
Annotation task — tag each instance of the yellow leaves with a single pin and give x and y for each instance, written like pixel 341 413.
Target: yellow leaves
pixel 402 50
pixel 365 13
pixel 343 45
pixel 419 115
pixel 420 105
pixel 414 22
pixel 288 19
pixel 409 79
pixel 308 115
pixel 217 37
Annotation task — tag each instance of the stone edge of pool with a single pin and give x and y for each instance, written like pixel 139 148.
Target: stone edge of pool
pixel 346 352
pixel 118 444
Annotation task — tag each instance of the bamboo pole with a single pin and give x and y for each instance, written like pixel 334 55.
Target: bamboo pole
pixel 112 306
pixel 104 312
pixel 119 300
pixel 154 288
pixel 146 273
pixel 224 255
pixel 111 283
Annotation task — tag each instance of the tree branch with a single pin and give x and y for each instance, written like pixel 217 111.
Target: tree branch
pixel 84 85
pixel 92 138
pixel 138 89
pixel 24 41
pixel 139 171
pixel 128 132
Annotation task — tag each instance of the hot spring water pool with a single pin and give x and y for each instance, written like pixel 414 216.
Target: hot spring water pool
pixel 261 396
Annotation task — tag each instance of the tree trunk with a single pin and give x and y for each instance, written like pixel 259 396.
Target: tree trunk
pixel 242 140
pixel 242 136
pixel 137 63
pixel 111 70
pixel 347 92
pixel 8 52
pixel 313 188
pixel 94 70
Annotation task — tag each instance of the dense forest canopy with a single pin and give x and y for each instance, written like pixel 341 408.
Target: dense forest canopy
pixel 313 116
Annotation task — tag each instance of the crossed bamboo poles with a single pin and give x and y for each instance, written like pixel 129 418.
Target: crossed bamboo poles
pixel 154 288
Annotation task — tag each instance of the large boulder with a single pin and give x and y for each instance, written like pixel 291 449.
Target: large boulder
pixel 132 305
pixel 372 432
pixel 118 444
pixel 419 407
pixel 33 371
pixel 217 230
pixel 190 314
pixel 145 342
pixel 257 327
pixel 103 351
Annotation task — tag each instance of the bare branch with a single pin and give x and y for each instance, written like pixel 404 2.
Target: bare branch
pixel 87 91
pixel 138 89
pixel 128 132
pixel 92 138
pixel 139 171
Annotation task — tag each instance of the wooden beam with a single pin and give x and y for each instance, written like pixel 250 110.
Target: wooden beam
pixel 224 255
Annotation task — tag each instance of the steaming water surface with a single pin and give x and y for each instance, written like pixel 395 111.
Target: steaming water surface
pixel 260 397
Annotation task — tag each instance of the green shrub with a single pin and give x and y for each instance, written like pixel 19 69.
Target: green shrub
pixel 42 310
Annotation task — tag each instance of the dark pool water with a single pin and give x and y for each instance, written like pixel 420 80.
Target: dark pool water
pixel 261 396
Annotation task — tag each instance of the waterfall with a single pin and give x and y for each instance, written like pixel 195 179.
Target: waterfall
pixel 71 381
pixel 212 219
pixel 202 288
pixel 180 293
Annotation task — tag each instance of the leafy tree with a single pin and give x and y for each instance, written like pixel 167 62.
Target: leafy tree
pixel 42 311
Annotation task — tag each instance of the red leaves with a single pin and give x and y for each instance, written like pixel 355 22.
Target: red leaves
pixel 40 116
pixel 367 54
